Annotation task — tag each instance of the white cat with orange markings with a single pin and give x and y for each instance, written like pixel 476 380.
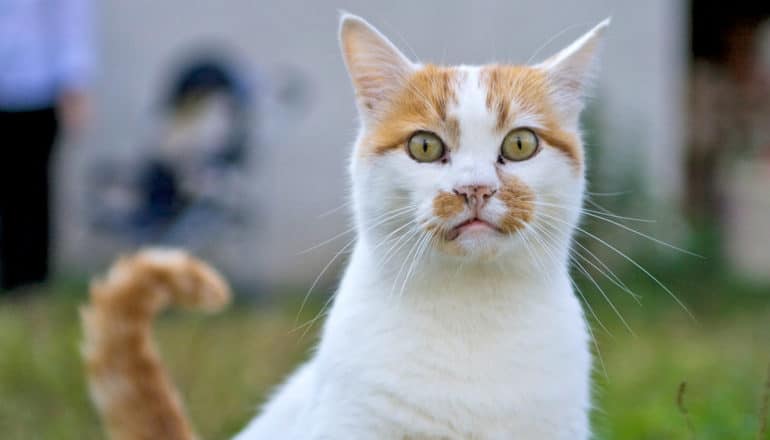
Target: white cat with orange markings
pixel 456 317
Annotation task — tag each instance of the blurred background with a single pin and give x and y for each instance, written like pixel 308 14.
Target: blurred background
pixel 225 128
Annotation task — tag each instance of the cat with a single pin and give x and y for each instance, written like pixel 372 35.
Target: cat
pixel 455 318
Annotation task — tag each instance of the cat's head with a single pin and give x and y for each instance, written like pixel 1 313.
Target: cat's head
pixel 478 162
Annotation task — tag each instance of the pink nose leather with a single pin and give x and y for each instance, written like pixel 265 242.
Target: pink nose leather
pixel 475 196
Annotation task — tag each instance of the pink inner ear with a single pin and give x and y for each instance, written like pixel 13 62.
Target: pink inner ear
pixel 571 70
pixel 377 68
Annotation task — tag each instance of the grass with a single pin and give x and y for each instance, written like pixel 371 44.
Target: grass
pixel 226 364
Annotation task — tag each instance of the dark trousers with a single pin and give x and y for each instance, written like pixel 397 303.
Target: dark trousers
pixel 26 143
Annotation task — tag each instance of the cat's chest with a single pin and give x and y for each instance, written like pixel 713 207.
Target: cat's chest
pixel 458 347
pixel 459 371
pixel 492 353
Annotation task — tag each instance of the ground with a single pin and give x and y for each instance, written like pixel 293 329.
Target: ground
pixel 226 364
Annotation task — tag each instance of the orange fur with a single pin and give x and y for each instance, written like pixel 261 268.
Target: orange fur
pixel 447 205
pixel 420 105
pixel 128 383
pixel 530 87
pixel 376 67
pixel 519 199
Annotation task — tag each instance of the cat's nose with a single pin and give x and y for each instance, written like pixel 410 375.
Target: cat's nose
pixel 475 196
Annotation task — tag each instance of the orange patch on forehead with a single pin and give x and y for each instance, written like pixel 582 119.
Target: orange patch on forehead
pixel 420 105
pixel 528 87
pixel 447 205
pixel 520 201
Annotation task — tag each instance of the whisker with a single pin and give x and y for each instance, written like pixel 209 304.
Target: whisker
pixel 390 215
pixel 395 231
pixel 424 241
pixel 596 205
pixel 604 294
pixel 642 234
pixel 591 278
pixel 591 331
pixel 309 324
pixel 412 248
pixel 619 285
pixel 318 278
pixel 609 271
pixel 384 218
pixel 613 277
pixel 595 212
pixel 333 210
pixel 608 194
pixel 596 319
pixel 539 266
pixel 617 216
pixel 403 239
pixel 590 309
pixel 632 261
pixel 350 201
pixel 543 243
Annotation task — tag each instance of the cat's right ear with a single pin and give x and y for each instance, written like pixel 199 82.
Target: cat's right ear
pixel 570 71
pixel 377 69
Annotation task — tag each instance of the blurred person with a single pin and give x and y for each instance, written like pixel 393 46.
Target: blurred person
pixel 45 65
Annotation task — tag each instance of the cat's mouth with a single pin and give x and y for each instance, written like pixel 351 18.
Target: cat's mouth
pixel 472 225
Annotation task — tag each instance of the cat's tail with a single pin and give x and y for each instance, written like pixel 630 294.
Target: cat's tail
pixel 128 383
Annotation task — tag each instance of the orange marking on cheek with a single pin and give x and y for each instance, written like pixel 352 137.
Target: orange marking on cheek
pixel 447 205
pixel 519 199
pixel 421 105
pixel 530 88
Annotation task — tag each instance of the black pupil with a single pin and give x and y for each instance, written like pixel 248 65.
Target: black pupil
pixel 424 145
pixel 518 142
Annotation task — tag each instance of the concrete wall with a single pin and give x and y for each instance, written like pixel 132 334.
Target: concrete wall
pixel 301 171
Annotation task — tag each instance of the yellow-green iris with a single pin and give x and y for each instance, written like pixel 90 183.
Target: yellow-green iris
pixel 520 144
pixel 425 147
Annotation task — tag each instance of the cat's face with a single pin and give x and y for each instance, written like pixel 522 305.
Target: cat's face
pixel 477 162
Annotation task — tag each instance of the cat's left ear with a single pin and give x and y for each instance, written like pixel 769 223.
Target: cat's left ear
pixel 378 70
pixel 571 70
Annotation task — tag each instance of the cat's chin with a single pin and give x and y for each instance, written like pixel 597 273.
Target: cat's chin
pixel 474 241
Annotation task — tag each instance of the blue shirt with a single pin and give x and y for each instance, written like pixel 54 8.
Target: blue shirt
pixel 45 47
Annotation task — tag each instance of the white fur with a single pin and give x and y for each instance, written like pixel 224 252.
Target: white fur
pixel 491 344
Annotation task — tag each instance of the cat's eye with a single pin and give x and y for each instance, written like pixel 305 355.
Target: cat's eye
pixel 520 144
pixel 424 146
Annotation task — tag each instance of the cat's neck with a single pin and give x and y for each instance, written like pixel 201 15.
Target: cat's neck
pixel 434 273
